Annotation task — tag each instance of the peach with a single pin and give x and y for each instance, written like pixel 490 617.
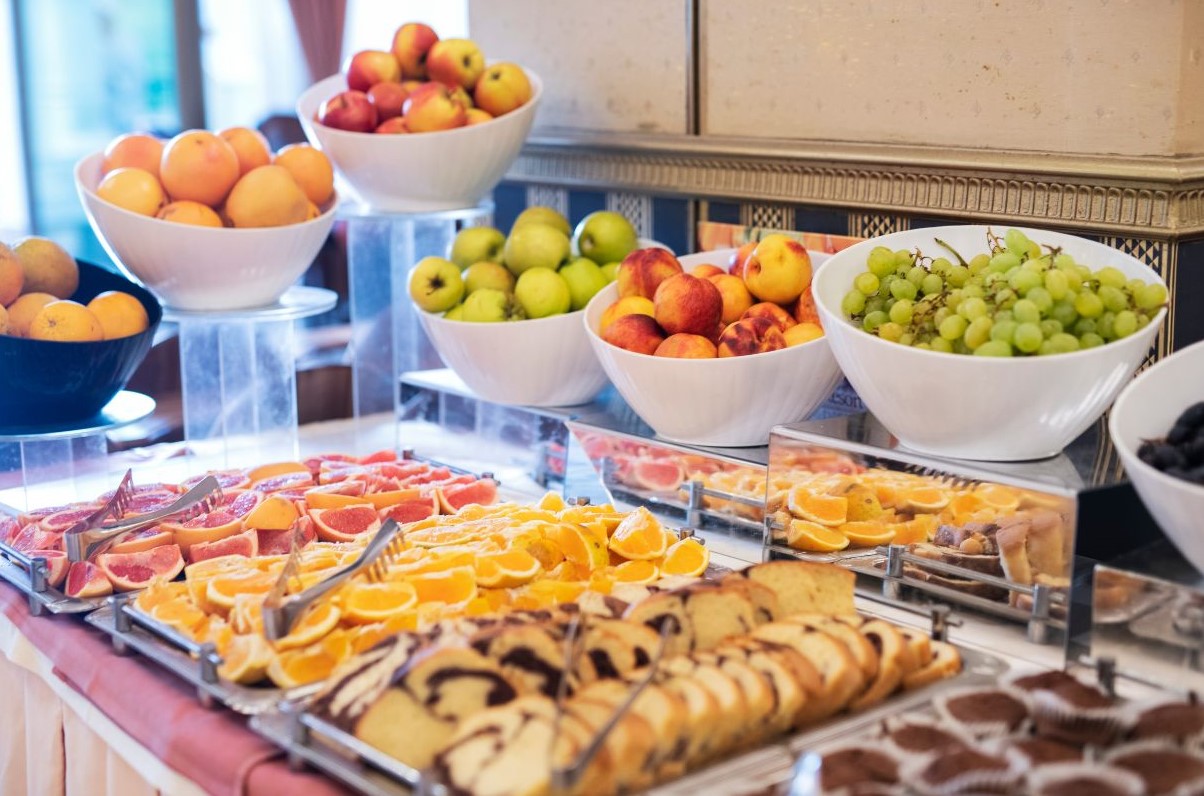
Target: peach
pixel 778 270
pixel 736 264
pixel 750 336
pixel 631 305
pixel 736 298
pixel 803 332
pixel 638 333
pixel 782 319
pixel 706 270
pixel 642 272
pixel 686 346
pixel 804 310
pixel 136 150
pixel 685 304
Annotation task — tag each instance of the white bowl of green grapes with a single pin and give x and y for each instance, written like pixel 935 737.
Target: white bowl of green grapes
pixel 996 344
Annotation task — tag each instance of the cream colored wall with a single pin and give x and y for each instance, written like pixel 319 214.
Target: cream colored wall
pixel 607 65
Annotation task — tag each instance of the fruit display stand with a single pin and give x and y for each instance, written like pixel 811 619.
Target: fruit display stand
pixel 238 377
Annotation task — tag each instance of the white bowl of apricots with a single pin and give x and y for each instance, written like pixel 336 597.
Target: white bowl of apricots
pixel 716 348
pixel 71 334
pixel 209 221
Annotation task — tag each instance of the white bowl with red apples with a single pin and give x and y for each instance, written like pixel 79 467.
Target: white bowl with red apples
pixel 726 400
pixel 424 127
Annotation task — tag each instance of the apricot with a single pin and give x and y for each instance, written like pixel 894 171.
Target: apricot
pixel 66 321
pixel 267 197
pixel 22 311
pixel 136 190
pixel 803 332
pixel 311 169
pixel 186 211
pixel 784 320
pixel 120 314
pixel 630 305
pixel 133 150
pixel 250 147
pixel 736 298
pixel 12 276
pixel 200 166
pixel 686 346
pixel 49 268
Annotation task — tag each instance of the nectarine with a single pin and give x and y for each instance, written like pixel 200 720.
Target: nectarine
pixel 750 336
pixel 638 333
pixel 736 298
pixel 642 272
pixel 686 346
pixel 803 332
pixel 686 304
pixel 782 319
pixel 631 305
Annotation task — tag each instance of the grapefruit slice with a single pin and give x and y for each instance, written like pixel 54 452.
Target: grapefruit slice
pixel 9 528
pixel 86 580
pixel 345 524
pixel 411 510
pixel 417 479
pixel 244 544
pixel 240 504
pixel 274 513
pixel 56 565
pixel 147 502
pixel 35 515
pixel 326 460
pixel 60 521
pixel 35 537
pixel 379 457
pixel 286 481
pixel 331 500
pixel 129 571
pixel 226 479
pixel 453 498
pixel 209 527
pixel 275 469
pixel 658 475
pixel 145 539
pixel 278 543
pixel 382 500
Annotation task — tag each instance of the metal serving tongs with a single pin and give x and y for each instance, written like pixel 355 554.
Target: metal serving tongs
pixel 86 538
pixel 281 613
pixel 565 779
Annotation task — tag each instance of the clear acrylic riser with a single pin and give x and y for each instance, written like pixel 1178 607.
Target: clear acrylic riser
pixel 387 339
pixel 239 379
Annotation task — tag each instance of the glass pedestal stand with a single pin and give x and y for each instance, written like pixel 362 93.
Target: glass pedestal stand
pixel 387 338
pixel 49 465
pixel 238 378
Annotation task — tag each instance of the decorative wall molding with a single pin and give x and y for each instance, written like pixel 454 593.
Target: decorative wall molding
pixel 1161 198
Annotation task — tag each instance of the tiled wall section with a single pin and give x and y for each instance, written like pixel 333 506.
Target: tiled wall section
pixel 668 220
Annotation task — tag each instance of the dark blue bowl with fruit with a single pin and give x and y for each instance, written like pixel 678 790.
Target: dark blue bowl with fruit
pixel 50 382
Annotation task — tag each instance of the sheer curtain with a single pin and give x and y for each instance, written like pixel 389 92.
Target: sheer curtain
pixel 319 26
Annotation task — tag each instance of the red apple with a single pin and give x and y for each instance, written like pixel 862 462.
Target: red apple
pixel 642 272
pixel 411 44
pixel 389 99
pixel 348 110
pixel 502 88
pixel 432 108
pixel 395 125
pixel 685 304
pixel 455 62
pixel 368 67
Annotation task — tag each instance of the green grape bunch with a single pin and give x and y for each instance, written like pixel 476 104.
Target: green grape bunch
pixel 1017 299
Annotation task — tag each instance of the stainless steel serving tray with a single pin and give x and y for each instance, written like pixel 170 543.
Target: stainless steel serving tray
pixel 45 599
pixel 309 740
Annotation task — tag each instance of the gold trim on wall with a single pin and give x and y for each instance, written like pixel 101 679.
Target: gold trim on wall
pixel 1146 197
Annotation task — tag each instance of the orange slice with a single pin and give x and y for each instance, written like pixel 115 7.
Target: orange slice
pixel 964 504
pixel 829 510
pixel 273 513
pixel 366 603
pixel 917 530
pixel 863 503
pixel 180 614
pixel 546 593
pixel 867 533
pixel 452 586
pixel 579 546
pixel 266 471
pixel 998 496
pixel 221 590
pixel 687 557
pixel 203 570
pixel 316 499
pixel 246 659
pixel 300 667
pixel 383 500
pixel 506 569
pixel 247 614
pixel 814 538
pixel 639 536
pixel 437 536
pixel 365 637
pixel 161 592
pixel 551 501
pixel 546 551
pixel 635 572
pixel 926 498
pixel 314 625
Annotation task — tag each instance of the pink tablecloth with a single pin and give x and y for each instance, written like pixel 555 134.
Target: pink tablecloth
pixel 212 747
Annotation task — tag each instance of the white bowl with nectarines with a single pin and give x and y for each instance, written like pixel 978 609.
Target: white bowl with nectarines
pixel 193 267
pixel 418 172
pixel 728 395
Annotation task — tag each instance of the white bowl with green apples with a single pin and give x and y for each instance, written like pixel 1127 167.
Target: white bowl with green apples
pixel 503 311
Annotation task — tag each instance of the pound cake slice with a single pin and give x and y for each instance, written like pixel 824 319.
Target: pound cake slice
pixel 630 744
pixel 703 717
pixel 840 676
pixel 863 651
pixel 804 586
pixel 946 662
pixel 705 615
pixel 531 656
pixel 613 648
pixel 439 688
pixel 666 715
pixel 776 665
pixel 729 698
pixel 892 650
pixel 358 682
pixel 760 702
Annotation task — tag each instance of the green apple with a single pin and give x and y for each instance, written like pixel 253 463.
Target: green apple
pixel 604 237
pixel 542 292
pixel 456 313
pixel 488 274
pixel 585 279
pixel 474 244
pixel 610 271
pixel 491 306
pixel 436 284
pixel 538 214
pixel 535 246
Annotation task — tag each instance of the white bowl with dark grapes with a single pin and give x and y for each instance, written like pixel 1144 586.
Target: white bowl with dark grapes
pixel 994 344
pixel 1157 426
